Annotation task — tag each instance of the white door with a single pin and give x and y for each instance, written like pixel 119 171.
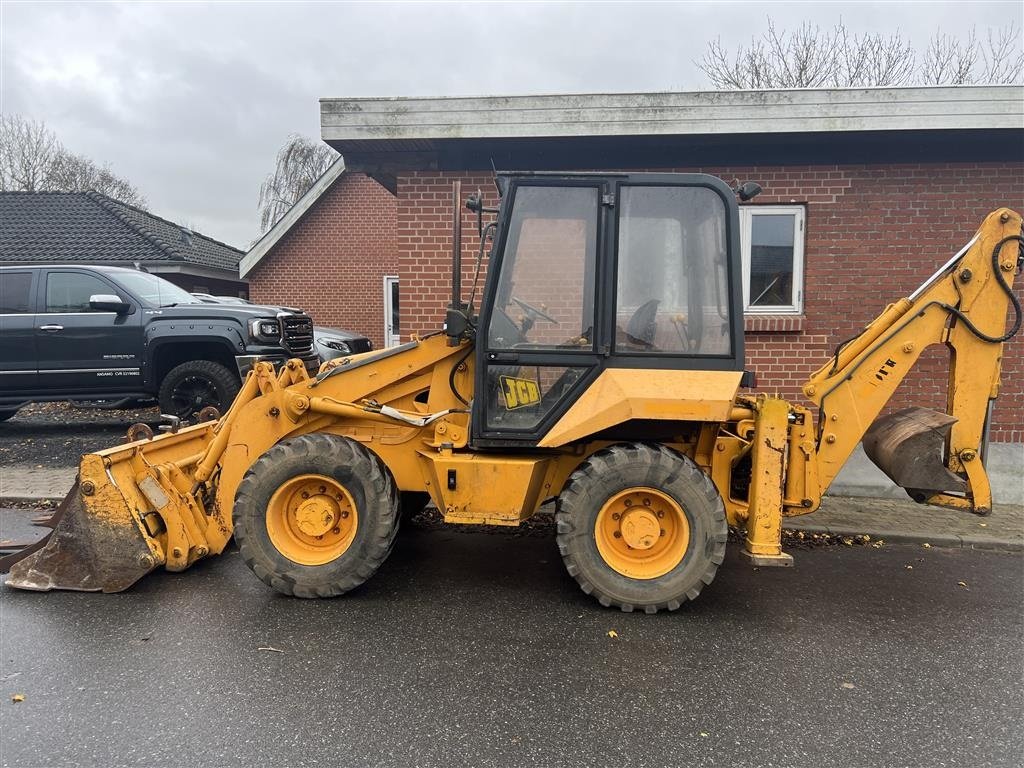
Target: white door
pixel 391 332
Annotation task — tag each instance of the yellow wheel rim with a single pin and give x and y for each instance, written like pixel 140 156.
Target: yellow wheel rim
pixel 312 519
pixel 642 533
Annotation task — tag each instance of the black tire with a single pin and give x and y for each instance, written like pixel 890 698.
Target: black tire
pixel 361 473
pixel 614 470
pixel 192 386
pixel 7 414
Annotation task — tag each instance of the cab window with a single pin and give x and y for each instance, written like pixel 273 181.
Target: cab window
pixel 545 293
pixel 15 297
pixel 70 291
pixel 672 282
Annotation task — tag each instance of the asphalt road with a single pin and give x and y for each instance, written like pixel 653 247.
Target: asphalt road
pixel 475 649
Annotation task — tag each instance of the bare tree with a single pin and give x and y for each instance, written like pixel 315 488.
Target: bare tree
pixel 27 152
pixel 32 159
pixel 77 173
pixel 300 162
pixel 810 57
pixel 1003 56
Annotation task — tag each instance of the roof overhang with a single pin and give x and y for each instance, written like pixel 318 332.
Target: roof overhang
pixel 629 130
pixel 291 218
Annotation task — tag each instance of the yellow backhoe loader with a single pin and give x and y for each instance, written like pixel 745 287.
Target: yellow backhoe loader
pixel 602 368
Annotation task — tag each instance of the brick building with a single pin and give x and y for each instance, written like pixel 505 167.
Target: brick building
pixel 334 255
pixel 866 193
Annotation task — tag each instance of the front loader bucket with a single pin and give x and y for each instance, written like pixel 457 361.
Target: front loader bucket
pixel 85 552
pixel 908 446
pixel 131 510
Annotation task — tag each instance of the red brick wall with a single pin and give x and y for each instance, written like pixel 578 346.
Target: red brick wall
pixel 873 234
pixel 333 262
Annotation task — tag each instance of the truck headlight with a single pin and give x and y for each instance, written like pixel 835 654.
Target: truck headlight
pixel 265 330
pixel 336 344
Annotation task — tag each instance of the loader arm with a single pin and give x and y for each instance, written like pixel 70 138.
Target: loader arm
pixel 964 306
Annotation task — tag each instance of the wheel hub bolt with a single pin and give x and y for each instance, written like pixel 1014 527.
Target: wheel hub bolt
pixel 344 513
pixel 336 530
pixel 305 495
pixel 617 535
pixel 661 513
pixel 629 502
pixel 647 502
pixel 323 488
pixel 616 515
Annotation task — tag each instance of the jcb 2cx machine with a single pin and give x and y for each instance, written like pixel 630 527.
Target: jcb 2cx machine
pixel 602 368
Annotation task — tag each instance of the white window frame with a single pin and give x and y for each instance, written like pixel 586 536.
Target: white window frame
pixel 747 213
pixel 391 339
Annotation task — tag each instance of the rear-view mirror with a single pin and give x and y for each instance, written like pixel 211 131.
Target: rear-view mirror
pixel 108 302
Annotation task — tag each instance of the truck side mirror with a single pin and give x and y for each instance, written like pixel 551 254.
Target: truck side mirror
pixel 108 302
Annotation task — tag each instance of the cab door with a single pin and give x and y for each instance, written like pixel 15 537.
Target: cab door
pixel 538 343
pixel 17 332
pixel 81 349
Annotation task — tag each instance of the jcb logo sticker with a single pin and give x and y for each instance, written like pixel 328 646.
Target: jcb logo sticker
pixel 519 392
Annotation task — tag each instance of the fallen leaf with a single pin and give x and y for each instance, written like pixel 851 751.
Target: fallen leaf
pixel 910 567
pixel 269 648
pixel 926 545
pixel 962 584
pixel 18 698
pixel 612 633
pixel 705 735
pixel 848 542
pixel 847 685
pixel 983 525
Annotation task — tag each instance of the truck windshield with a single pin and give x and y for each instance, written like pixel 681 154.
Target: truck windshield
pixel 153 291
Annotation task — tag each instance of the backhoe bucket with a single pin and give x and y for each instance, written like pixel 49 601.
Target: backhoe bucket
pixel 129 512
pixel 88 553
pixel 908 446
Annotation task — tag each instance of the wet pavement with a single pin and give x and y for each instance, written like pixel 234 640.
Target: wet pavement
pixel 475 649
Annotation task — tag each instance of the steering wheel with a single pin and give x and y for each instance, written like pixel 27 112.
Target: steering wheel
pixel 529 308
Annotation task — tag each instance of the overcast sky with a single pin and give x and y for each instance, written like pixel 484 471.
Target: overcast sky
pixel 190 101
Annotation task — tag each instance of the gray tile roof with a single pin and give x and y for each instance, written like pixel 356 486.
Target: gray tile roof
pixel 89 227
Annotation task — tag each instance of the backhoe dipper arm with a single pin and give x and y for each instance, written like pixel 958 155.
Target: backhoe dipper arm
pixel 964 306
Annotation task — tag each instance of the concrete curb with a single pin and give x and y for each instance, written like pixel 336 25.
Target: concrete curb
pixel 945 540
pixel 21 498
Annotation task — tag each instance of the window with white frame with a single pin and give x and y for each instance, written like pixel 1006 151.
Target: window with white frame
pixel 772 239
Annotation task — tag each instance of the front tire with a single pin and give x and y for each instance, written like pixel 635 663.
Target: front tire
pixel 197 384
pixel 315 516
pixel 641 526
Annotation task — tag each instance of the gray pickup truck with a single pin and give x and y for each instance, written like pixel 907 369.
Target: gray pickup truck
pixel 110 333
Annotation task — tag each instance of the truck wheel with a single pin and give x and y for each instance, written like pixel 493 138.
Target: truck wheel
pixel 316 515
pixel 197 384
pixel 641 526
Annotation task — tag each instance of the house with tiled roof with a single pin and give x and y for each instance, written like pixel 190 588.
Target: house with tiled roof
pixel 90 228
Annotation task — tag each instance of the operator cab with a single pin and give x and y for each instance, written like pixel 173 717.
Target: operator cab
pixel 591 272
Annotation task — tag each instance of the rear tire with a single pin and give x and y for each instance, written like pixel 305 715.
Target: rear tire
pixel 197 384
pixel 306 545
pixel 663 490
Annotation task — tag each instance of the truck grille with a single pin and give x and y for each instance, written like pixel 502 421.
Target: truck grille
pixel 297 335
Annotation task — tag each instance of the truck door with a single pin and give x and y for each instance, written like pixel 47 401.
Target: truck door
pixel 539 322
pixel 81 349
pixel 17 332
